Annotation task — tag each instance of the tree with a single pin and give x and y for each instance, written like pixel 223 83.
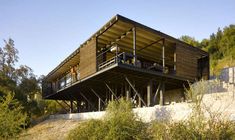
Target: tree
pixel 12 118
pixel 190 40
pixel 227 41
pixel 220 46
pixel 9 56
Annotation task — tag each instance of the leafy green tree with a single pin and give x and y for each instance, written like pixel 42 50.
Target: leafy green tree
pixel 220 46
pixel 227 42
pixel 204 43
pixel 21 81
pixel 190 40
pixel 9 56
pixel 12 118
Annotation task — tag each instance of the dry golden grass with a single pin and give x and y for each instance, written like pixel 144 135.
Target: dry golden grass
pixel 52 129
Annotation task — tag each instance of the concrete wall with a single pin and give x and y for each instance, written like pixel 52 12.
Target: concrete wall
pixel 228 75
pixel 79 116
pixel 176 95
pixel 223 101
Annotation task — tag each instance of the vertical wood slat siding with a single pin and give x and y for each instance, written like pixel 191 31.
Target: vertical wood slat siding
pixel 88 59
pixel 186 63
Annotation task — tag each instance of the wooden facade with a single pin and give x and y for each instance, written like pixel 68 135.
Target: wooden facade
pixel 126 59
pixel 186 63
pixel 88 59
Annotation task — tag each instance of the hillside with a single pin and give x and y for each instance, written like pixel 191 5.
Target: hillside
pixel 220 46
pixel 50 129
pixel 220 99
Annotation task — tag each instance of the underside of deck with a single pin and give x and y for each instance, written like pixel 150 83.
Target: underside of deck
pixel 143 87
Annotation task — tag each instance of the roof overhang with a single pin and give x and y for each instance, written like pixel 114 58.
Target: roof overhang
pixel 119 30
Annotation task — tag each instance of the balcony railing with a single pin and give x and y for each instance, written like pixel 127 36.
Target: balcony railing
pixel 111 61
pixel 121 58
pixel 127 59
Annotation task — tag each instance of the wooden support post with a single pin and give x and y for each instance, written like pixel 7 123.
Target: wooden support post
pixel 127 91
pixel 163 56
pixel 112 97
pixel 156 93
pixel 112 92
pixel 62 106
pixel 96 43
pixel 149 93
pixel 71 106
pixel 122 90
pixel 99 104
pixel 88 106
pixel 116 91
pixel 162 92
pixel 139 100
pixel 89 102
pixel 134 46
pixel 106 95
pixel 99 100
pixel 175 58
pixel 66 103
pixel 116 53
pixel 78 107
pixel 136 92
pixel 97 95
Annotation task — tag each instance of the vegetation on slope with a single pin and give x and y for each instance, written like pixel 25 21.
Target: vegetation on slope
pixel 25 85
pixel 121 123
pixel 18 111
pixel 12 118
pixel 204 123
pixel 220 46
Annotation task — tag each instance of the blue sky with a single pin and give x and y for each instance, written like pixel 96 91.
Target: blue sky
pixel 47 31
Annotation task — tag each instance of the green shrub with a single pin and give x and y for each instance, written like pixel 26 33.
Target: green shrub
pixel 158 130
pixel 89 130
pixel 198 126
pixel 123 123
pixel 119 123
pixel 12 120
pixel 188 130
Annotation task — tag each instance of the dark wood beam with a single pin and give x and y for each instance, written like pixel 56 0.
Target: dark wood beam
pixel 163 56
pixel 89 102
pixel 136 92
pixel 111 90
pixel 97 95
pixel 134 46
pixel 151 44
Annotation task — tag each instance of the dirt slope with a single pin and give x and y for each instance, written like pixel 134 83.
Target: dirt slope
pixel 52 129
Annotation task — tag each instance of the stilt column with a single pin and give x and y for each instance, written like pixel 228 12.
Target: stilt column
pixel 71 106
pixel 162 92
pixel 149 93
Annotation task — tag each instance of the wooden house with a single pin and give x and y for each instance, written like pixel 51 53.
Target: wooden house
pixel 126 59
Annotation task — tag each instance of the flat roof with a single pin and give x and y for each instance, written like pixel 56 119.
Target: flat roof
pixel 73 58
